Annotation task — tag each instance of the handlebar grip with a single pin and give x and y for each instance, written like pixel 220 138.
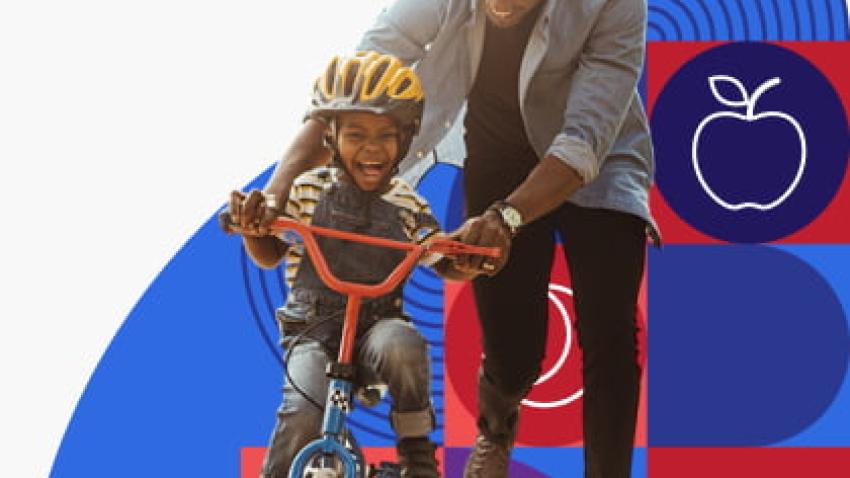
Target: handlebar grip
pixel 225 222
pixel 456 248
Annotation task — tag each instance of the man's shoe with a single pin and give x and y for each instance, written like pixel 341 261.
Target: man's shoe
pixel 488 459
pixel 416 457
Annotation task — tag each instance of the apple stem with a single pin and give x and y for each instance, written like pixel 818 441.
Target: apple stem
pixel 751 104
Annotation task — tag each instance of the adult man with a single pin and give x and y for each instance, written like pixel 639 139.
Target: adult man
pixel 556 140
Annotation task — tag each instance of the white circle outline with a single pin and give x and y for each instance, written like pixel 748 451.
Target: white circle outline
pixel 562 358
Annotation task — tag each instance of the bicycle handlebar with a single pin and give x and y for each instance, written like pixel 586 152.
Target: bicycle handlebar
pixel 356 291
pixel 440 245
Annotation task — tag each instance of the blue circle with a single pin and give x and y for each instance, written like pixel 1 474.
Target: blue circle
pixel 751 350
pixel 754 174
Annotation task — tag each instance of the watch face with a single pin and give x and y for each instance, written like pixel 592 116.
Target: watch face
pixel 511 217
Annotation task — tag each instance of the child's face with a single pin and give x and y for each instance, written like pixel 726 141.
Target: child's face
pixel 368 146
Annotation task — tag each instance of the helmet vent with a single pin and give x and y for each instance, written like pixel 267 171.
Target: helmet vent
pixel 350 76
pixel 380 69
pixel 404 85
pixel 329 76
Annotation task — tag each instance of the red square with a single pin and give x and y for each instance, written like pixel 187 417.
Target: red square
pixel 749 462
pixel 554 420
pixel 665 58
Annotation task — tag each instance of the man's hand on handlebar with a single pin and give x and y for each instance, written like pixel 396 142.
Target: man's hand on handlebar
pixel 486 230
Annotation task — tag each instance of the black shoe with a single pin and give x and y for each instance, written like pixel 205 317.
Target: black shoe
pixel 488 459
pixel 416 457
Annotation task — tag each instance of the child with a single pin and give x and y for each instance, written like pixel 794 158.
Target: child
pixel 372 106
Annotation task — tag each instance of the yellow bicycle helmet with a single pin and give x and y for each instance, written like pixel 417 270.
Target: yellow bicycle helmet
pixel 374 83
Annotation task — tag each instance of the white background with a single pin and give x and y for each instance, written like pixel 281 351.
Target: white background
pixel 123 126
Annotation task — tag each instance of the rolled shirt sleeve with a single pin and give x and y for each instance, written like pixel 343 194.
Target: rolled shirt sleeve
pixel 603 87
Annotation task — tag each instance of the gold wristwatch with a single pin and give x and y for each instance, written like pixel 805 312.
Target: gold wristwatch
pixel 510 215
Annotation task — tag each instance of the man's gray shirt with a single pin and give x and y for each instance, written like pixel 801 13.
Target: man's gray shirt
pixel 577 88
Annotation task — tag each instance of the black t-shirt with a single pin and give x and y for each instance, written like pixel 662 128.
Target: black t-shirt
pixel 496 142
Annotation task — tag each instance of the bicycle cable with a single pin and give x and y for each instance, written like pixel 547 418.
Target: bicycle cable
pixel 295 343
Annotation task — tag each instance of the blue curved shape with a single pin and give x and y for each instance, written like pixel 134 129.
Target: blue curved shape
pixel 264 288
pixel 679 14
pixel 810 13
pixel 795 16
pixel 427 325
pixel 436 291
pixel 255 313
pixel 744 19
pixel 765 33
pixel 832 262
pixel 786 21
pixel 655 32
pixel 692 19
pixel 733 347
pixel 668 19
pixel 778 16
pixel 185 376
pixel 747 20
pixel 443 187
pixel 721 19
pixel 279 272
pixel 433 309
pixel 839 18
pixel 712 29
pixel 428 272
pixel 824 17
pixel 843 20
pixel 730 32
pixel 367 412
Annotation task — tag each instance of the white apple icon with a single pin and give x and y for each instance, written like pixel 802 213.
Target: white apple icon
pixel 750 103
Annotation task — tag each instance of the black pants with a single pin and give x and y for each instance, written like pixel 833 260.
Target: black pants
pixel 605 251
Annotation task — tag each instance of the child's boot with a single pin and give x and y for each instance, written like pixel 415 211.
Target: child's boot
pixel 415 450
pixel 416 457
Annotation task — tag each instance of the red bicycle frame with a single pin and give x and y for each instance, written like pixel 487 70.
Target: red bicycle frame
pixel 339 387
pixel 355 291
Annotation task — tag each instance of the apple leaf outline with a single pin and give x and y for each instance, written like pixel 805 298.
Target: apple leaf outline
pixel 715 80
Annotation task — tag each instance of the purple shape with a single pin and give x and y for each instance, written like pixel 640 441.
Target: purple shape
pixel 456 459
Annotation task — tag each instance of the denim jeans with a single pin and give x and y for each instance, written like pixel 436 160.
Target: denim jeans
pixel 392 352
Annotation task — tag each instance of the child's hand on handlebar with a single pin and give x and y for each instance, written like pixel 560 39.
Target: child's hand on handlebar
pixel 254 212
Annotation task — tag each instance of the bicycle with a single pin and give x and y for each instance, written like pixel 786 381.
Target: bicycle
pixel 336 454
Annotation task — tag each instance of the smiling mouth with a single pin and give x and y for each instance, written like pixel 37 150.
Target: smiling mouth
pixel 371 169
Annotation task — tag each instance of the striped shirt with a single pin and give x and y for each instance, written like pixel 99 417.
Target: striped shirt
pixel 419 222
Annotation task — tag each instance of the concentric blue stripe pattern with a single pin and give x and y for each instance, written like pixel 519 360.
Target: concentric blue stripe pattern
pixel 748 20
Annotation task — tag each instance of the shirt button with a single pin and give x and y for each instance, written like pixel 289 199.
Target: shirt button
pixel 447 124
pixel 420 154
